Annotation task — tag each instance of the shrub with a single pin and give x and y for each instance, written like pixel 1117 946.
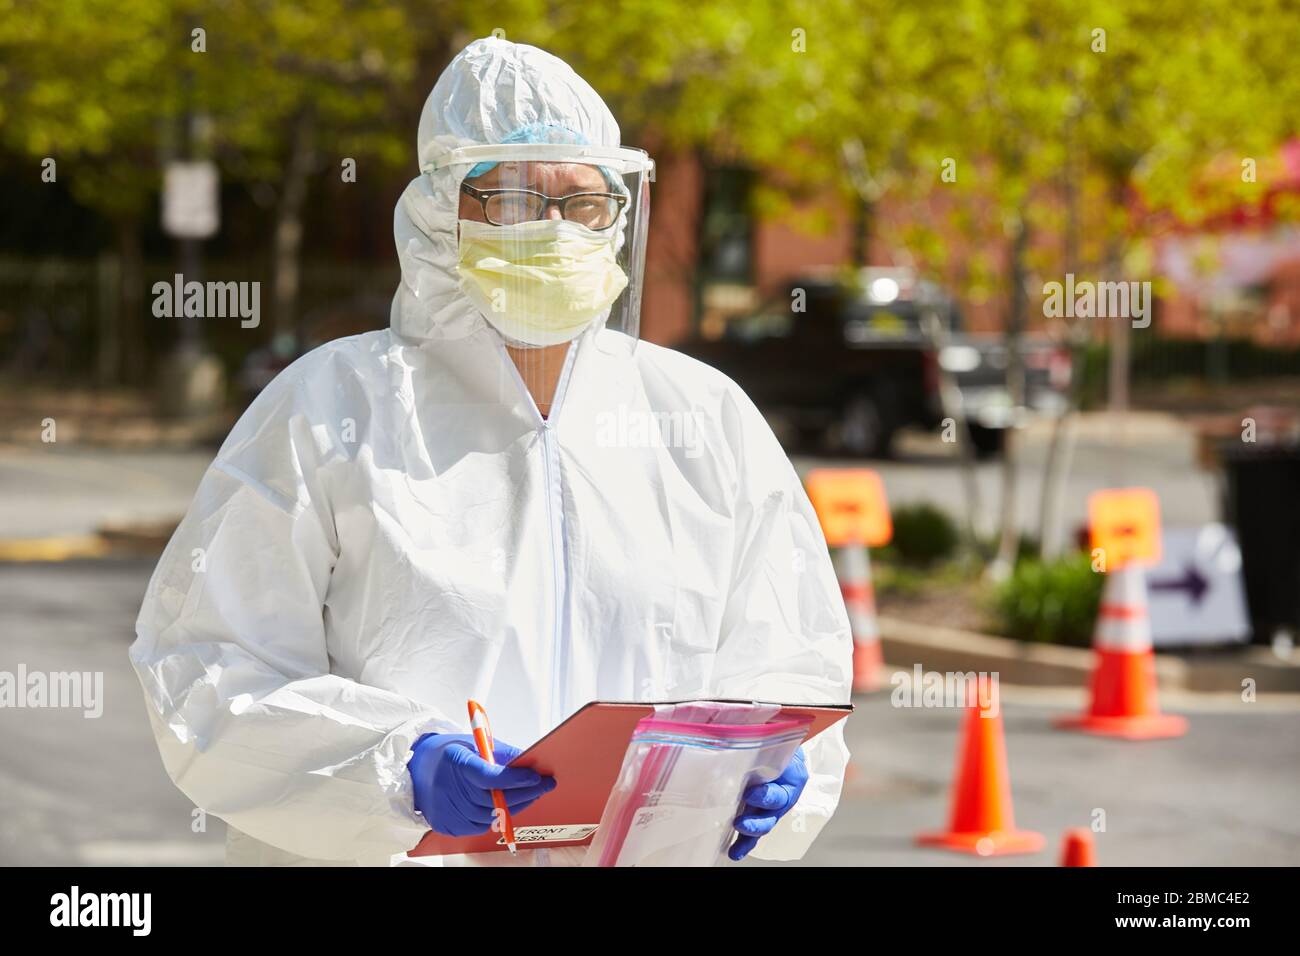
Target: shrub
pixel 923 534
pixel 1054 602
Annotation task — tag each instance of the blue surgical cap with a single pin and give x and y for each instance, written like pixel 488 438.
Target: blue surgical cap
pixel 533 133
pixel 545 133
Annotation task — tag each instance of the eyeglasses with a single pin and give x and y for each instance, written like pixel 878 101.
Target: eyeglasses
pixel 509 207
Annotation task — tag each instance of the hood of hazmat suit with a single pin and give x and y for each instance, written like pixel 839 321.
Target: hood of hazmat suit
pixel 392 527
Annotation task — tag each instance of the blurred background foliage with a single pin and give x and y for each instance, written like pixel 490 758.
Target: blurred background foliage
pixel 1054 601
pixel 864 94
pixel 923 535
pixel 1071 127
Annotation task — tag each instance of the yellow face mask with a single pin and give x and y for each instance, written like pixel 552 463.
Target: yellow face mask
pixel 541 282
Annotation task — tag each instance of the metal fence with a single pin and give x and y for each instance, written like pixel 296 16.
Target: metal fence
pixel 63 321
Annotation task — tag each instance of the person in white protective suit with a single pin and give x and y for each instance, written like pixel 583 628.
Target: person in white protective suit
pixel 503 496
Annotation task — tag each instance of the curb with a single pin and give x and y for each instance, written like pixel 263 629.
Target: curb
pixel 128 539
pixel 63 548
pixel 1048 665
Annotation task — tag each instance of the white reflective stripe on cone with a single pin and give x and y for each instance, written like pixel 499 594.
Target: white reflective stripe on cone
pixel 852 563
pixel 853 569
pixel 863 624
pixel 1122 621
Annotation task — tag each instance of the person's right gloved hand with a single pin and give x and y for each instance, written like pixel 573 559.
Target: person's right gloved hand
pixel 453 784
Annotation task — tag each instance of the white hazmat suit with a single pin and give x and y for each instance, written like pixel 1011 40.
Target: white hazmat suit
pixel 392 528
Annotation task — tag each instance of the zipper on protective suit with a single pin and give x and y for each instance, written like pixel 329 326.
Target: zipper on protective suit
pixel 554 519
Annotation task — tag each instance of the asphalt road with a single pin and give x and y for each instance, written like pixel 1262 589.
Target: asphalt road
pixel 1222 795
pixel 77 790
pixel 92 791
pixel 51 490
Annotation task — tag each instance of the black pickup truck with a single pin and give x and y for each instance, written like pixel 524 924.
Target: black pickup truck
pixel 862 360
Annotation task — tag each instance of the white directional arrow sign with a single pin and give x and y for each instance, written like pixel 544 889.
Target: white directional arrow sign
pixel 1195 592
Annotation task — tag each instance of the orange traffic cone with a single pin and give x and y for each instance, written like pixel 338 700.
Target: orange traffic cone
pixel 1124 676
pixel 982 821
pixel 853 568
pixel 1077 848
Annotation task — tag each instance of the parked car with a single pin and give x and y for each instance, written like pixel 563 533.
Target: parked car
pixel 850 362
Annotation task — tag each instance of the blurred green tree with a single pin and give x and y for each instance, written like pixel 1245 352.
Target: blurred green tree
pixel 293 91
pixel 1049 133
pixel 111 90
pixel 79 85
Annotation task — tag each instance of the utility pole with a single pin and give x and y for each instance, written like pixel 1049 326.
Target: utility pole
pixel 192 383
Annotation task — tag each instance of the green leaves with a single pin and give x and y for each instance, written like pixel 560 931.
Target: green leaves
pixel 1052 601
pixel 1015 92
pixel 102 85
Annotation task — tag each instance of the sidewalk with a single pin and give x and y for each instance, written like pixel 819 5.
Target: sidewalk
pixel 77 461
pixel 1218 671
pixel 64 493
pixel 88 418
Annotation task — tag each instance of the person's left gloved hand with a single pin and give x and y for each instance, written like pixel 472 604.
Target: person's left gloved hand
pixel 766 803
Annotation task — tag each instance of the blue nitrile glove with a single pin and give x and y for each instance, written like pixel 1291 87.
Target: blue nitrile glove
pixel 453 784
pixel 766 803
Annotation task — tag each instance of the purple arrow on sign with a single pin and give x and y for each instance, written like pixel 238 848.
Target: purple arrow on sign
pixel 1192 581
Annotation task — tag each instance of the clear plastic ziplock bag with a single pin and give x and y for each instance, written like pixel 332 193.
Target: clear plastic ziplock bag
pixel 682 786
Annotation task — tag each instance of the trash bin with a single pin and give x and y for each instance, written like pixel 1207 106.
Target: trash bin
pixel 1263 503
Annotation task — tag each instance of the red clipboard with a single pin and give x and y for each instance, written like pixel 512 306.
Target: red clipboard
pixel 584 754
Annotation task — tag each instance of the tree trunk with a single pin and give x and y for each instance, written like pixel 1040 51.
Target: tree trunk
pixel 1119 363
pixel 1060 454
pixel 132 364
pixel 108 313
pixel 1056 468
pixel 1120 325
pixel 1060 451
pixel 287 244
pixel 951 405
pixel 1120 339
pixel 862 231
pixel 1009 539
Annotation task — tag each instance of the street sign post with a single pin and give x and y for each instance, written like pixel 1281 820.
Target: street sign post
pixel 851 506
pixel 191 207
pixel 1125 526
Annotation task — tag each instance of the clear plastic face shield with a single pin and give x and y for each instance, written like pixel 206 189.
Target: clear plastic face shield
pixel 551 239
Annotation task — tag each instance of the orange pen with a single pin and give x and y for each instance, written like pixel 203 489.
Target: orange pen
pixel 482 730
